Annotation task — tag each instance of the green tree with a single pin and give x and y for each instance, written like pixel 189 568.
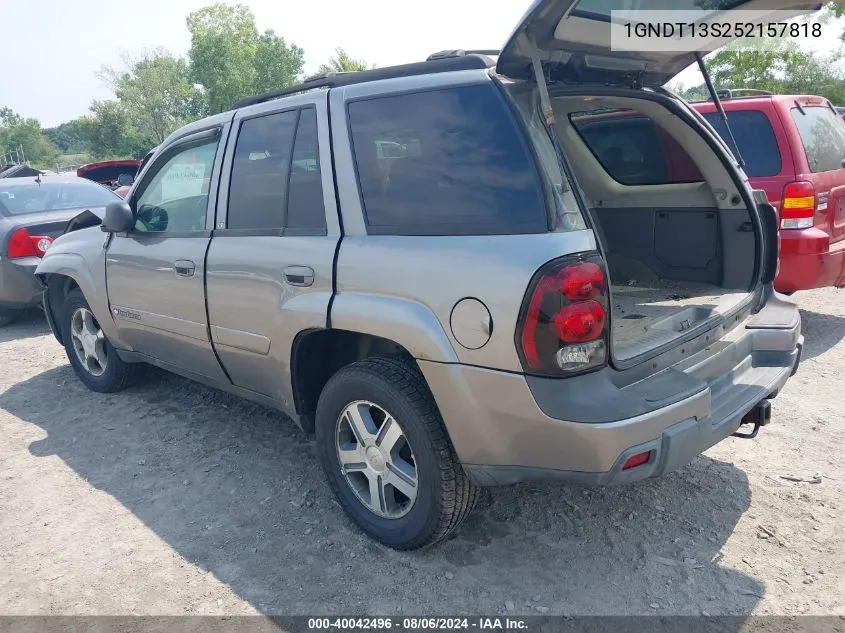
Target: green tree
pixel 276 63
pixel 155 93
pixel 342 63
pixel 69 137
pixel 231 60
pixel 779 66
pixel 110 132
pixel 18 132
pixel 833 11
pixel 747 67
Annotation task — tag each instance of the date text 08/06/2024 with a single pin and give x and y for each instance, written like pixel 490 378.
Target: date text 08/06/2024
pixel 417 624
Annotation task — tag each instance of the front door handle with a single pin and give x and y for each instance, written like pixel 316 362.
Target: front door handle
pixel 299 275
pixel 184 267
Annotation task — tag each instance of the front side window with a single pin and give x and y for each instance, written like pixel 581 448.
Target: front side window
pixel 823 136
pixel 449 161
pixel 175 198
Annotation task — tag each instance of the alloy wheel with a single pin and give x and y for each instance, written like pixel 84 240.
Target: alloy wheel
pixel 89 342
pixel 376 459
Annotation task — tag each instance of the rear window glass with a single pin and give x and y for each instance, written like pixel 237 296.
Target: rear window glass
pixel 449 161
pixel 823 136
pixel 19 199
pixel 603 8
pixel 754 137
pixel 633 149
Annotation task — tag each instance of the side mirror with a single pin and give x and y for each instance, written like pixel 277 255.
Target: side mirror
pixel 119 218
pixel 125 180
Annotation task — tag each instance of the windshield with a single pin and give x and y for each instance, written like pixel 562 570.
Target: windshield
pixel 18 199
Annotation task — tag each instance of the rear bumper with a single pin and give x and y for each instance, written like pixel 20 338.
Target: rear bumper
pixel 808 260
pixel 506 428
pixel 19 289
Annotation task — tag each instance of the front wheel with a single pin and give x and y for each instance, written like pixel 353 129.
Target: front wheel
pixel 385 453
pixel 90 354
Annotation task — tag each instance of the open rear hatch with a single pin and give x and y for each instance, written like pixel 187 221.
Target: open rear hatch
pixel 572 38
pixel 107 172
pixel 680 237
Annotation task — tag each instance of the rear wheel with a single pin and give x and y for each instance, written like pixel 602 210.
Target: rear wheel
pixel 383 447
pixel 90 354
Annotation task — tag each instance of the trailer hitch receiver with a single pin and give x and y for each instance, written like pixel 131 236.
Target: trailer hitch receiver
pixel 759 416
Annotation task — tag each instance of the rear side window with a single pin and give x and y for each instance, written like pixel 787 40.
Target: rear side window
pixel 633 149
pixel 258 187
pixel 442 162
pixel 306 209
pixel 754 137
pixel 823 136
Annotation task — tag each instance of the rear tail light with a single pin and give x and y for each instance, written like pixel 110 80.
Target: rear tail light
pixel 798 206
pixel 563 325
pixel 22 244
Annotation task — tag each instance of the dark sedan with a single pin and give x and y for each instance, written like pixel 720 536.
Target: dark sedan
pixel 34 211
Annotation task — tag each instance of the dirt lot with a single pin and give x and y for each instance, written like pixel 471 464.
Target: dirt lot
pixel 172 498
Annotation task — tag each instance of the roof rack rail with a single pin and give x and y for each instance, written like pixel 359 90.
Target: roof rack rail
pixel 467 60
pixel 460 52
pixel 739 93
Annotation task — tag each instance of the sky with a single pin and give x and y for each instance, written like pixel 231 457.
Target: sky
pixel 65 42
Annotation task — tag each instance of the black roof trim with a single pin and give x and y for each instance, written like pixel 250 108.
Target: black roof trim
pixel 469 61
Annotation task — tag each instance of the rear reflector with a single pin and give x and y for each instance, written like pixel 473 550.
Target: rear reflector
pixel 637 460
pixel 798 206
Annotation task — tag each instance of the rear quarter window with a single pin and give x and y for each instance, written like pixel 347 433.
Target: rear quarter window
pixel 823 136
pixel 633 149
pixel 755 140
pixel 445 162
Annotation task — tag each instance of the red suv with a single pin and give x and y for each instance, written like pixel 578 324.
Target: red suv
pixel 794 148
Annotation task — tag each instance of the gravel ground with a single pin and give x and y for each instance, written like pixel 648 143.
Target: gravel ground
pixel 171 498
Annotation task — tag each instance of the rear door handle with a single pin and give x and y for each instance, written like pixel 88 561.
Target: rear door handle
pixel 299 275
pixel 184 267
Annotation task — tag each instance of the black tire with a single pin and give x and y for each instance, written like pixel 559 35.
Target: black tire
pixel 117 375
pixel 445 496
pixel 8 316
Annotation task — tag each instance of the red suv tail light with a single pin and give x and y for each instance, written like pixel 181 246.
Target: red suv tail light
pixel 22 244
pixel 563 325
pixel 798 206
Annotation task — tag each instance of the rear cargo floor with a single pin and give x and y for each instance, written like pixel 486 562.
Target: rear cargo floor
pixel 643 311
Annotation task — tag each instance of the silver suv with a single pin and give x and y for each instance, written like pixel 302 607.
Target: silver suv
pixel 453 280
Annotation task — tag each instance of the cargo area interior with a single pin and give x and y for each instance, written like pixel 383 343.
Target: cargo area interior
pixel 678 236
